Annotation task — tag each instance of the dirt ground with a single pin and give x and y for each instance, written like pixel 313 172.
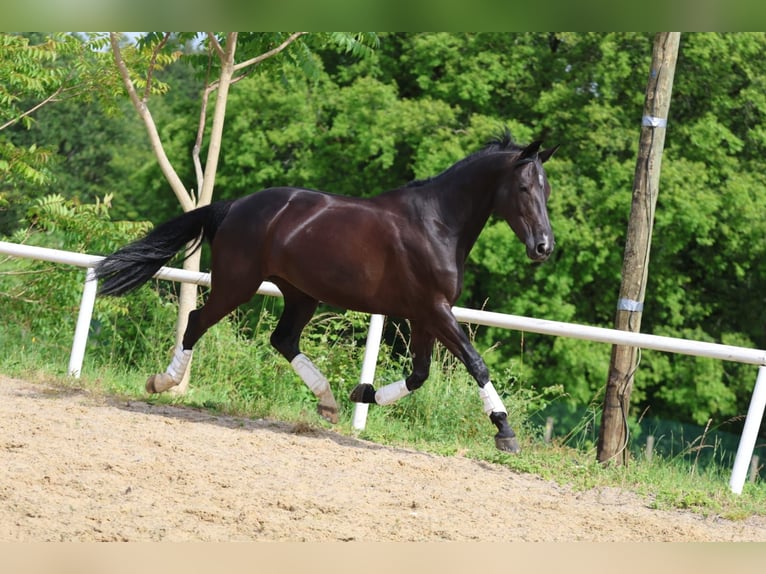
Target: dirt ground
pixel 79 467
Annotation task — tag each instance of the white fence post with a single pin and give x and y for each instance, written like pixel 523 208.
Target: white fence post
pixel 749 433
pixel 371 350
pixel 83 323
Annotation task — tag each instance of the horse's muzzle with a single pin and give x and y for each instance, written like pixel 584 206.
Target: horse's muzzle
pixel 540 248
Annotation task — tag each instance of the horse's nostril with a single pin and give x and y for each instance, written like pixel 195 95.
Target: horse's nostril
pixel 543 248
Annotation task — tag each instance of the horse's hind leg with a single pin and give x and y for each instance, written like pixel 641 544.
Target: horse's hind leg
pixel 218 305
pixel 299 308
pixel 421 347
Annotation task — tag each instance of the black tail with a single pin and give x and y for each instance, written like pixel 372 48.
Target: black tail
pixel 133 265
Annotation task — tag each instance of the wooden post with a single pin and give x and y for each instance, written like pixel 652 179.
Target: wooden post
pixel 548 430
pixel 613 435
pixel 754 465
pixel 649 448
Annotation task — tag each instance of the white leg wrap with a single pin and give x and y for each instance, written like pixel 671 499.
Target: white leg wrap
pixel 491 400
pixel 310 374
pixel 180 362
pixel 391 393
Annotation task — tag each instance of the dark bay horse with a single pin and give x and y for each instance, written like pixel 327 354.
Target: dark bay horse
pixel 401 253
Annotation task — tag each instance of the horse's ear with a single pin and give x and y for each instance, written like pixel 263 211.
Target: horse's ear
pixel 531 149
pixel 546 154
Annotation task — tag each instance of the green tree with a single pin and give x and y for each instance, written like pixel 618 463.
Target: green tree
pixel 91 153
pixel 35 71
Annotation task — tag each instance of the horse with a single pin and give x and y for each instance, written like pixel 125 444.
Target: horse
pixel 401 253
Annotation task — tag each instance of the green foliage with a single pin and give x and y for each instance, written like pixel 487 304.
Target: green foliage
pixel 41 299
pixel 26 72
pixel 38 73
pixel 303 127
pixel 358 45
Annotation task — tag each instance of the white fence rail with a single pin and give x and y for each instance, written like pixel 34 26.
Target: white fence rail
pixel 542 326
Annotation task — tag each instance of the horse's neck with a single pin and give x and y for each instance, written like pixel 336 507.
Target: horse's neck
pixel 461 199
pixel 465 205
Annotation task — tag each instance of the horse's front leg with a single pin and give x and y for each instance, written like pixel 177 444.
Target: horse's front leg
pixel 505 439
pixel 454 338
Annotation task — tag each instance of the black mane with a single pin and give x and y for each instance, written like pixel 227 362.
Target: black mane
pixel 501 142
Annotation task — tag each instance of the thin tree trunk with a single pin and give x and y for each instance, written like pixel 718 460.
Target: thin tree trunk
pixel 187 298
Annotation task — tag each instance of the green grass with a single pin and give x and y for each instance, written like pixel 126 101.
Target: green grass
pixel 240 375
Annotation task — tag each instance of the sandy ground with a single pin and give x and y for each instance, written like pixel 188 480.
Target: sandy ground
pixel 78 467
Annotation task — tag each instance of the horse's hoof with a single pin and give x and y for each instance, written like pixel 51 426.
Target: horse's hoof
pixel 328 413
pixel 150 388
pixel 507 444
pixel 327 407
pixel 159 383
pixel 363 394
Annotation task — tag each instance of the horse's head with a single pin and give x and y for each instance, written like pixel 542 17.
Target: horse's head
pixel 522 200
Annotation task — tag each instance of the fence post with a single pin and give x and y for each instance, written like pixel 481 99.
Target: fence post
pixel 749 433
pixel 613 434
pixel 83 323
pixel 649 448
pixel 548 430
pixel 367 377
pixel 754 463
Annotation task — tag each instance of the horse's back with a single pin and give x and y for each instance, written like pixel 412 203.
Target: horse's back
pixel 316 241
